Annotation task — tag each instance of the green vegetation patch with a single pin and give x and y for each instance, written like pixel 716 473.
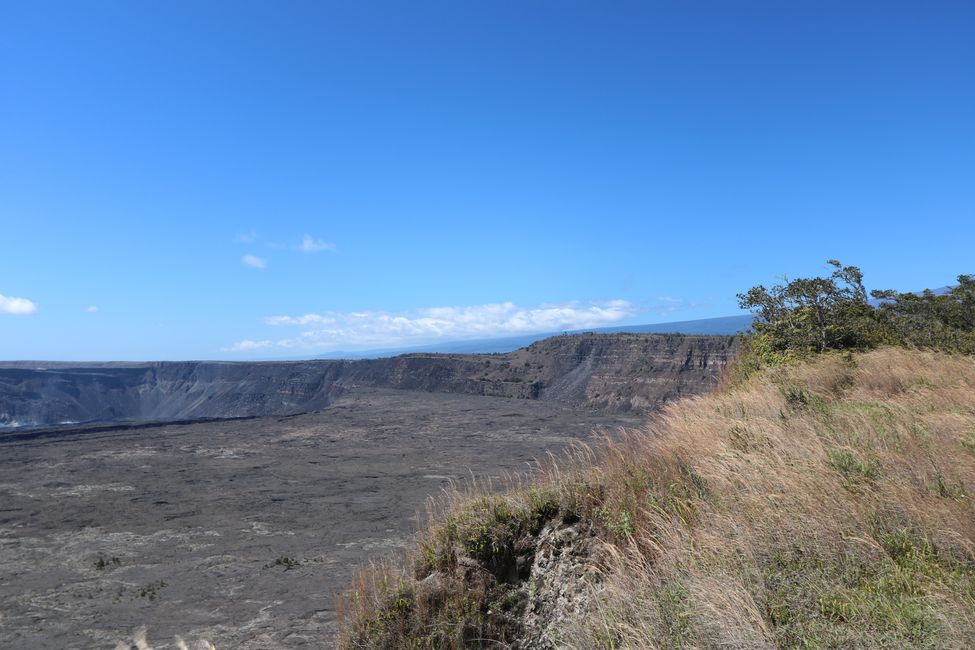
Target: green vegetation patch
pixel 490 530
pixel 675 613
pixel 465 591
pixel 855 470
pixel 968 443
pixel 816 599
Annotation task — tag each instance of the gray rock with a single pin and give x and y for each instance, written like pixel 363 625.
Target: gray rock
pixel 563 577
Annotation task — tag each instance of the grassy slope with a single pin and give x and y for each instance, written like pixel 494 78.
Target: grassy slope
pixel 825 504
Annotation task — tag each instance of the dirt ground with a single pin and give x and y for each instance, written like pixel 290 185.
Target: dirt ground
pixel 240 532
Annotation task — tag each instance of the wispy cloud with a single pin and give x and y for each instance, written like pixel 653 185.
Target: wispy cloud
pixel 668 305
pixel 248 346
pixel 246 237
pixel 16 306
pixel 307 319
pixel 335 330
pixel 311 245
pixel 92 309
pixel 308 244
pixel 254 262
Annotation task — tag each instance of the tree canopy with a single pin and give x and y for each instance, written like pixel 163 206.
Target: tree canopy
pixel 811 315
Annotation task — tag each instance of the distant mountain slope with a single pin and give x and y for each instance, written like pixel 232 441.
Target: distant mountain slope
pixel 724 325
pixel 611 372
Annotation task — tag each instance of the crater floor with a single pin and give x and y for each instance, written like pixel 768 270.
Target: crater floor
pixel 241 532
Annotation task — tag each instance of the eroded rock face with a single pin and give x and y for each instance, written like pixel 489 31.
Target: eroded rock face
pixel 629 372
pixel 535 591
pixel 605 372
pixel 563 578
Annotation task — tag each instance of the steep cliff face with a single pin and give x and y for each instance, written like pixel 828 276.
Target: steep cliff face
pixel 163 391
pixel 607 372
pixel 629 372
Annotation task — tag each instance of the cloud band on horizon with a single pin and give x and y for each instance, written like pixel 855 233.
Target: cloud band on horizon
pixel 333 330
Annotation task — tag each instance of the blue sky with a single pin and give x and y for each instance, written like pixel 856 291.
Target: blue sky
pixel 257 179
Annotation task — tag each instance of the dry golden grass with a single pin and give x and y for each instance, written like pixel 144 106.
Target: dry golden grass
pixel 819 505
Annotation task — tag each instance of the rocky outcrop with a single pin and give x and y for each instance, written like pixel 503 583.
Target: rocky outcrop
pixel 560 588
pixel 605 372
pixel 629 372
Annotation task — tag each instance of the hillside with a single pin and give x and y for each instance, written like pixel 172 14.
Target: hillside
pixel 824 504
pixel 609 372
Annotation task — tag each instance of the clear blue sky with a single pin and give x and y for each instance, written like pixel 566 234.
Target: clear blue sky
pixel 414 171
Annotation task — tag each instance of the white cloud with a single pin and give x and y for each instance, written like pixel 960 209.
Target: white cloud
pixel 254 262
pixel 92 309
pixel 311 245
pixel 336 330
pixel 307 319
pixel 16 306
pixel 246 237
pixel 248 346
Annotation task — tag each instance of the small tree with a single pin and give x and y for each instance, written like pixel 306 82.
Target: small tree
pixel 812 314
